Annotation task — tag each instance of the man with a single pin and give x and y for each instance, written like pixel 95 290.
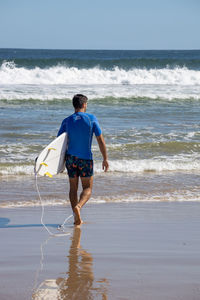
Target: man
pixel 80 127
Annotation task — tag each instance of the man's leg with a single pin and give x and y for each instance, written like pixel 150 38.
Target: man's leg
pixel 73 182
pixel 87 183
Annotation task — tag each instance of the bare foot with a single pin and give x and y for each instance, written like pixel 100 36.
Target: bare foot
pixel 77 217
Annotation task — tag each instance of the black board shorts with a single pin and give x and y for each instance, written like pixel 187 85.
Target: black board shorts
pixel 79 167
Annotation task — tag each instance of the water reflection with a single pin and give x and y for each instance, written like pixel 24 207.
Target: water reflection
pixel 79 282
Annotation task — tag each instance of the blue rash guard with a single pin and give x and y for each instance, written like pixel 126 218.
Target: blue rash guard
pixel 80 128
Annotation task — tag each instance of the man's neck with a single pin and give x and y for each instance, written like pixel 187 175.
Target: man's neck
pixel 80 110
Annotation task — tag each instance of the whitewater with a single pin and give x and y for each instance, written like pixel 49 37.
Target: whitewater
pixel 58 82
pixel 11 74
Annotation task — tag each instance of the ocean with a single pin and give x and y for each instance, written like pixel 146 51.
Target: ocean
pixel 147 103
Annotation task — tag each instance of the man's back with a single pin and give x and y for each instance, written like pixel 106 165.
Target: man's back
pixel 80 127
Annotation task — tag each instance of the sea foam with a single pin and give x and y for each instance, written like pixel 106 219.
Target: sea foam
pixel 152 165
pixel 176 164
pixel 180 196
pixel 12 74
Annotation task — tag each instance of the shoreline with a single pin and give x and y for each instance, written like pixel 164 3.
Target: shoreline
pixel 124 251
pixel 149 187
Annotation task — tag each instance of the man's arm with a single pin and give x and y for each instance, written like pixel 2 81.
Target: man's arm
pixel 63 127
pixel 102 147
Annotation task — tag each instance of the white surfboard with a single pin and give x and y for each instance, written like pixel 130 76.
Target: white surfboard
pixel 51 160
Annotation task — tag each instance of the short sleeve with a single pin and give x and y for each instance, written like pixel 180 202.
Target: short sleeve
pixel 63 127
pixel 96 127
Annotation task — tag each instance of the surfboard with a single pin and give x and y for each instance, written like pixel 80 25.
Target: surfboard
pixel 51 160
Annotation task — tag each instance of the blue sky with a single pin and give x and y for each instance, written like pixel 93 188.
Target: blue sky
pixel 100 24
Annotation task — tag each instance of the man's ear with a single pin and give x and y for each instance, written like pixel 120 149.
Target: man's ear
pixel 85 105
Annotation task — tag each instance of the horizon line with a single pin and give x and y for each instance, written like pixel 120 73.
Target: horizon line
pixel 95 49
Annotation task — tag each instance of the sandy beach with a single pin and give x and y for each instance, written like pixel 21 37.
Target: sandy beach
pixel 134 251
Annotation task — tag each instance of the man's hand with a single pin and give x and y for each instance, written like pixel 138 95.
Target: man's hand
pixel 102 147
pixel 105 165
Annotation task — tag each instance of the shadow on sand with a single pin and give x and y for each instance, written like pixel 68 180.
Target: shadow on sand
pixel 4 223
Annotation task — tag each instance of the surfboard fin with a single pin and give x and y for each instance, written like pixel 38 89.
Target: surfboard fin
pixel 44 164
pixel 48 174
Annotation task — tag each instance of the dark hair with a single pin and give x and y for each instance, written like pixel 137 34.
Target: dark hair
pixel 78 100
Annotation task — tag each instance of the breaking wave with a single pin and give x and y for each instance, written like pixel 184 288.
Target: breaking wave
pixel 60 74
pixel 176 163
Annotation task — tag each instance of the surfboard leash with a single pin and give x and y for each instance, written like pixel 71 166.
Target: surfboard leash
pixel 60 227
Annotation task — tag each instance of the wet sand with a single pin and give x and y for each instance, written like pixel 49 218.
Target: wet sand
pixel 140 251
